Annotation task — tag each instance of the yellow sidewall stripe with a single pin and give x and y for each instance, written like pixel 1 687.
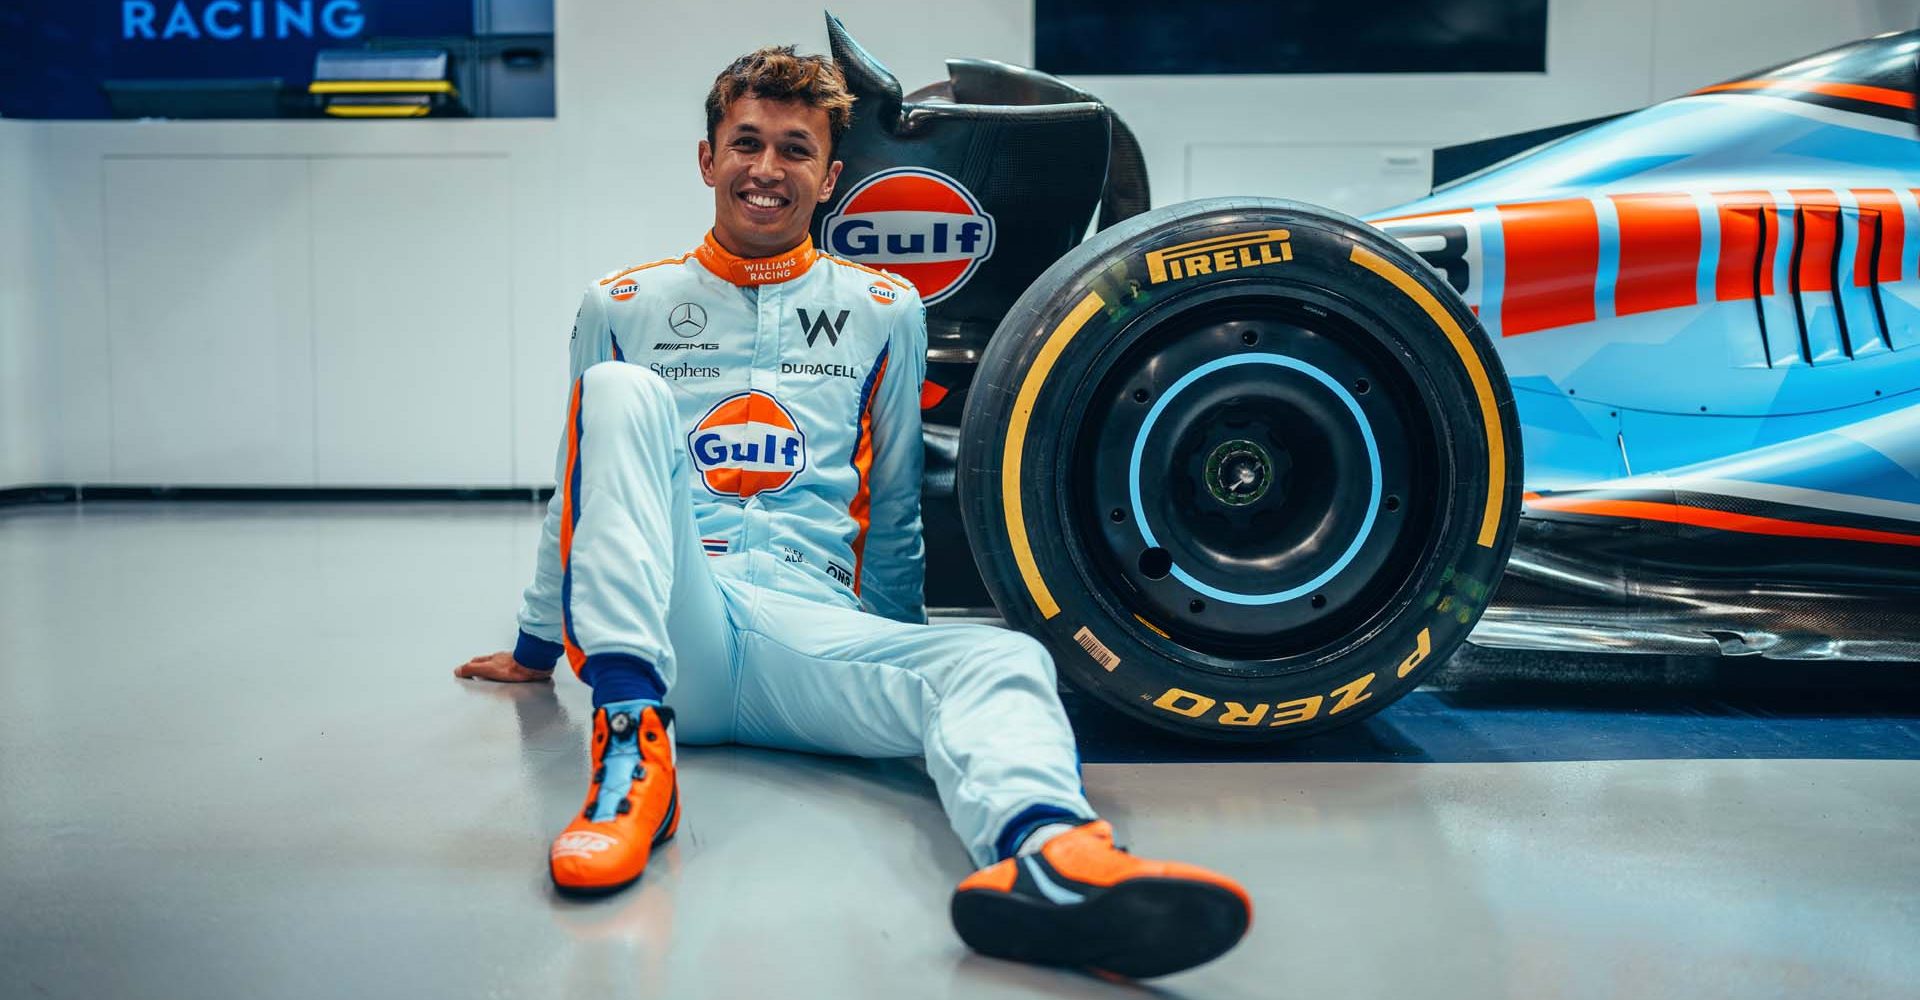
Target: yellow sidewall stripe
pixel 1016 443
pixel 1477 372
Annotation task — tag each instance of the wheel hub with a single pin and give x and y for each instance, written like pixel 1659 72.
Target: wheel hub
pixel 1239 472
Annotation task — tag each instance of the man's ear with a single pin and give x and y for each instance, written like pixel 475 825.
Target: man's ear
pixel 833 177
pixel 706 162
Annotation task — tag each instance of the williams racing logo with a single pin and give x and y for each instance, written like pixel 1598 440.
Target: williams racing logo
pixel 919 224
pixel 1221 253
pixel 746 445
pixel 817 323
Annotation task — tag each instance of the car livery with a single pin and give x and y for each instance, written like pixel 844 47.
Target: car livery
pixel 1710 313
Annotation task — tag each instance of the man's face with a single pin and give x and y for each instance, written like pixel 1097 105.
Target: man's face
pixel 768 167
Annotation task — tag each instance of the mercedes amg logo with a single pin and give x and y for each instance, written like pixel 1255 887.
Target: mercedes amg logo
pixel 687 319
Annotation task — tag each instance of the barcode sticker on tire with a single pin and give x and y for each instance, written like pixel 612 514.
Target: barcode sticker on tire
pixel 1096 649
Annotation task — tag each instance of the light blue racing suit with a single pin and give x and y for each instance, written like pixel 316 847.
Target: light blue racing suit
pixel 738 505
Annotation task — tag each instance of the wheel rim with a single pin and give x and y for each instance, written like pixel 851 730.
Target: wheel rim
pixel 1249 474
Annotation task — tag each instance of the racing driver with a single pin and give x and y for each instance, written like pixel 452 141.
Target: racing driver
pixel 733 555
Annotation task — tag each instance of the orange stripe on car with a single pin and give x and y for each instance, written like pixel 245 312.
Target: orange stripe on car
pixel 1883 207
pixel 1700 517
pixel 1740 214
pixel 1553 254
pixel 1819 212
pixel 1851 91
pixel 1420 215
pixel 1659 252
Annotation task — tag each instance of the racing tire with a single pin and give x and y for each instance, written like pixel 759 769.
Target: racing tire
pixel 1247 467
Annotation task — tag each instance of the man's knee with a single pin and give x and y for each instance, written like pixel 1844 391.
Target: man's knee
pixel 1005 652
pixel 635 384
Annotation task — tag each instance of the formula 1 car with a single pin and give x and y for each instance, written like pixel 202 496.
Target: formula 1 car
pixel 1252 469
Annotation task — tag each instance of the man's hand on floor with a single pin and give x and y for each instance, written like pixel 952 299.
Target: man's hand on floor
pixel 500 667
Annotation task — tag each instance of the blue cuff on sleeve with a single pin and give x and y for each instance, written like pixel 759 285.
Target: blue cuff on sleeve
pixel 535 653
pixel 621 677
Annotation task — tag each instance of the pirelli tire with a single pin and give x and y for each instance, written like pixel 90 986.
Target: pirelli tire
pixel 1246 466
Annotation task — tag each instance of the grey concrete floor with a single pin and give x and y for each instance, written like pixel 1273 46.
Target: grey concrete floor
pixel 233 763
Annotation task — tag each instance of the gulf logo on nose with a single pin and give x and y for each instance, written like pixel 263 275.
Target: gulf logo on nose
pixel 920 224
pixel 747 444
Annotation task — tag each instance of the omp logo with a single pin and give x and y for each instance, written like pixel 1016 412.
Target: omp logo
pixel 882 294
pixel 1221 253
pixel 919 224
pixel 581 844
pixel 747 444
pixel 818 323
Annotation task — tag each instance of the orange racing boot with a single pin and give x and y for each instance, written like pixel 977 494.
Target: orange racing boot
pixel 1082 902
pixel 633 803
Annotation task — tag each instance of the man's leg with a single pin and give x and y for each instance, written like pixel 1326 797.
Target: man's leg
pixel 640 604
pixel 980 702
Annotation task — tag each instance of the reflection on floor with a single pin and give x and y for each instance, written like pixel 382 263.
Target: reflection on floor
pixel 233 764
pixel 1491 706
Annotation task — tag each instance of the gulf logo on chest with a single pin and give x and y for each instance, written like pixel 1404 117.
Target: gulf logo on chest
pixel 919 224
pixel 747 444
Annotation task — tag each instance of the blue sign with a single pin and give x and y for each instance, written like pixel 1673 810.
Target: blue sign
pixel 55 55
pixel 226 20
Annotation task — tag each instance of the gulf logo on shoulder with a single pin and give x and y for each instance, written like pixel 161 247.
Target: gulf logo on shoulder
pixel 747 444
pixel 917 223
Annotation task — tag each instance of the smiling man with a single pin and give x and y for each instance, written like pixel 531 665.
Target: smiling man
pixel 734 555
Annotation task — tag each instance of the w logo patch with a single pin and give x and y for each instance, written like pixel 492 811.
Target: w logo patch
pixel 818 323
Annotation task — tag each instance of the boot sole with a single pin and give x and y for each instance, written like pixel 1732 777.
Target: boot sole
pixel 1140 928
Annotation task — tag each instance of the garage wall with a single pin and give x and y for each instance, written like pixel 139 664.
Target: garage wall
pixel 21 422
pixel 1363 143
pixel 374 303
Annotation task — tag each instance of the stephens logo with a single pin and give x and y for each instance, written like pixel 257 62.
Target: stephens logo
pixel 747 444
pixel 917 223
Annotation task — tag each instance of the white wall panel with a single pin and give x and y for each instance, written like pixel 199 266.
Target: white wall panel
pixel 207 290
pixel 70 242
pixel 412 320
pixel 1356 178
pixel 21 369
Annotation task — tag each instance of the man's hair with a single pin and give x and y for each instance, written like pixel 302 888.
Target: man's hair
pixel 775 73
